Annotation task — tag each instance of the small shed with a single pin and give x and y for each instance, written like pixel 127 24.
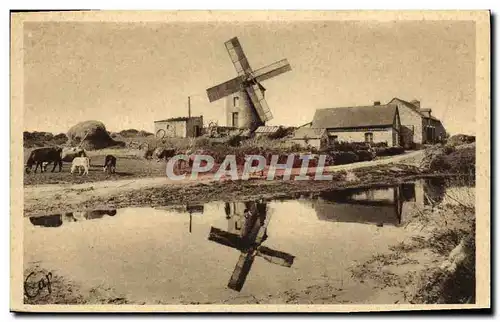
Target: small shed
pixel 311 137
pixel 180 127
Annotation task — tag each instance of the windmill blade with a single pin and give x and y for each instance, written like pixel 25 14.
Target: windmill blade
pixel 272 70
pixel 260 104
pixel 275 257
pixel 241 271
pixel 238 57
pixel 222 90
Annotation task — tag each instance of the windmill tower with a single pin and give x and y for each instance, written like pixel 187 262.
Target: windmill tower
pixel 246 106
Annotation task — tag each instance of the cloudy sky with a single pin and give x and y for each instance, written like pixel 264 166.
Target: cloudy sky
pixel 128 75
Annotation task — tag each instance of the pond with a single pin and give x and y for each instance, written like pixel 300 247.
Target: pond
pixel 210 252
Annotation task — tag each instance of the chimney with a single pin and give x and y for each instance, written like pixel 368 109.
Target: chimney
pixel 426 111
pixel 416 103
pixel 376 103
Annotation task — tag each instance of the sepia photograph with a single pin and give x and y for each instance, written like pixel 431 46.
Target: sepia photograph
pixel 267 161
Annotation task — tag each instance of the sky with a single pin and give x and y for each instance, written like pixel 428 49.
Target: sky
pixel 127 75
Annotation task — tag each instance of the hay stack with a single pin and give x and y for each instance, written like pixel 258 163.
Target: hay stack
pixel 93 134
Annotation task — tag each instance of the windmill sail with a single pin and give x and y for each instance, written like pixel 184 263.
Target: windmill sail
pixel 272 70
pixel 257 97
pixel 238 57
pixel 222 90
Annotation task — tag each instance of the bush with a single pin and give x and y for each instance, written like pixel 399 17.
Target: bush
pixel 282 132
pixel 456 161
pixel 393 150
pixel 344 157
pixel 39 139
pixel 128 133
pixel 461 139
pixel 364 155
pixel 449 149
pixel 60 139
pixel 462 161
pixel 350 146
pixel 234 140
pixel 145 133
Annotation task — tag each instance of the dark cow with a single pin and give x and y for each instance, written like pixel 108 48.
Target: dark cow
pixel 39 156
pixel 109 164
pixel 164 154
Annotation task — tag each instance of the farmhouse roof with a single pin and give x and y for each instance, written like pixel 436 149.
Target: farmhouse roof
pixel 353 117
pixel 416 109
pixel 308 133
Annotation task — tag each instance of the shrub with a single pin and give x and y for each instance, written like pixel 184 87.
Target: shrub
pixel 344 157
pixel 350 146
pixel 282 132
pixel 462 161
pixel 145 133
pixel 39 139
pixel 60 138
pixel 459 139
pixel 128 133
pixel 364 155
pixel 448 149
pixel 234 140
pixel 393 150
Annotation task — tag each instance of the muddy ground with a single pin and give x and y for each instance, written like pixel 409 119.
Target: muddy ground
pixel 64 192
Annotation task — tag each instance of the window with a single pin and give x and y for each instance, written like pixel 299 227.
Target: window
pixel 235 119
pixel 369 137
pixel 236 101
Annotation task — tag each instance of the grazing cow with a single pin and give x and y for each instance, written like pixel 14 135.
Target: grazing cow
pixel 68 154
pixel 80 162
pixel 148 154
pixel 163 154
pixel 109 164
pixel 39 156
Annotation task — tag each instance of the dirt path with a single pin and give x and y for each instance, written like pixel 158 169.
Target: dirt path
pixel 74 194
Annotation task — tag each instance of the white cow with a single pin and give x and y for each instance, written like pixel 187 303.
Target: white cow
pixel 81 162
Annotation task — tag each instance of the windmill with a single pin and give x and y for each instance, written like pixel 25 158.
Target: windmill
pixel 248 107
pixel 249 243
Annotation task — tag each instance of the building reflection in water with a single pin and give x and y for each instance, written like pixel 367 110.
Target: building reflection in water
pixel 59 219
pixel 247 231
pixel 380 206
pixel 190 209
pixel 193 209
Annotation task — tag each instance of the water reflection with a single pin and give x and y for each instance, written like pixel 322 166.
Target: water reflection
pixel 47 221
pixel 146 251
pixel 191 209
pixel 379 206
pixel 247 230
pixel 59 219
pixel 375 206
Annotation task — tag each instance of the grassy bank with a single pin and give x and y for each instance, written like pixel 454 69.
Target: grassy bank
pixel 445 248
